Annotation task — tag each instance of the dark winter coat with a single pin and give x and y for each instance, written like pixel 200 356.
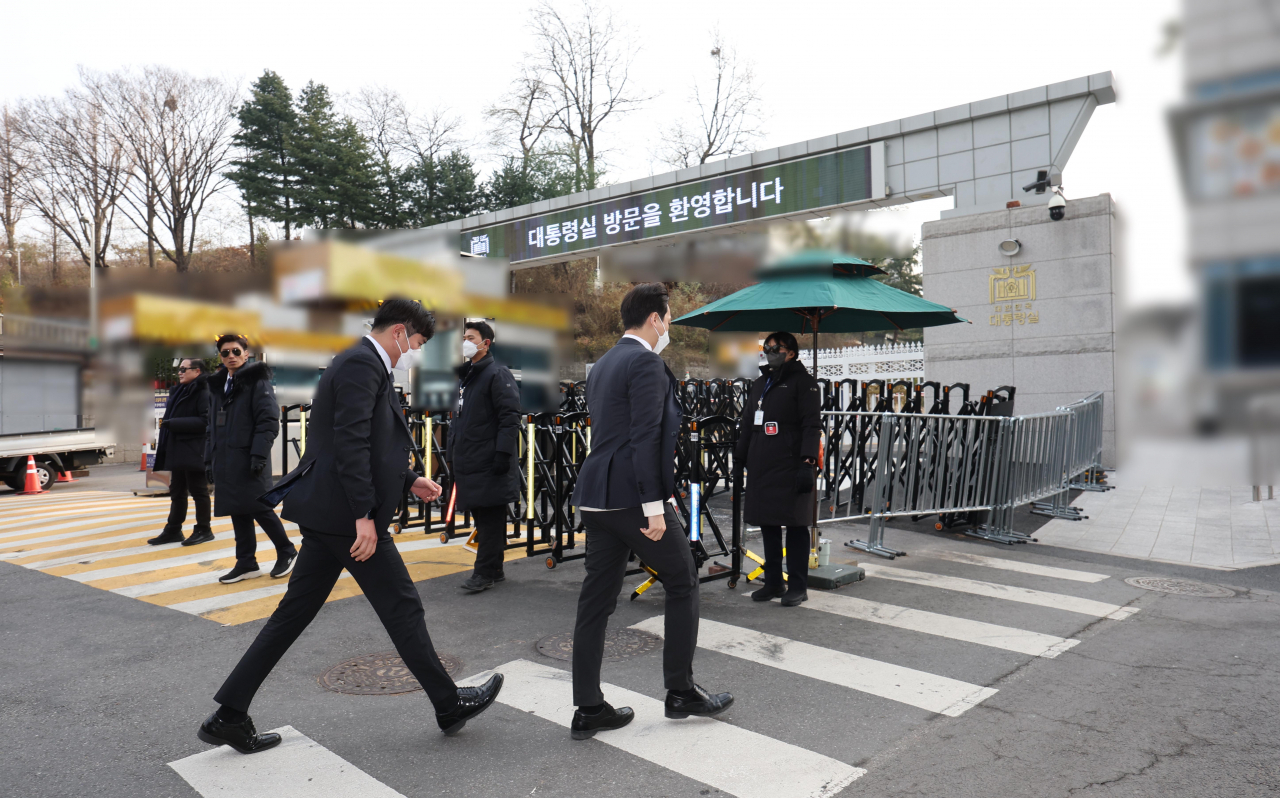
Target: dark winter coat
pixel 486 422
pixel 181 444
pixel 244 424
pixel 358 462
pixel 774 450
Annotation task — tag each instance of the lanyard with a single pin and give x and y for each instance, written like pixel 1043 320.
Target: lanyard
pixel 767 385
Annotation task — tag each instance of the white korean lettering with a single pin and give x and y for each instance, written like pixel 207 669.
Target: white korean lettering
pixel 535 237
pixel 631 219
pixel 777 192
pixel 680 209
pixel 723 199
pixel 701 204
pixel 588 228
pixel 570 230
pixel 751 199
pixel 652 215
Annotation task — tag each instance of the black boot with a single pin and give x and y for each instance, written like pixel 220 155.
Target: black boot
pixel 794 596
pixel 768 592
pixel 201 534
pixel 171 534
pixel 240 736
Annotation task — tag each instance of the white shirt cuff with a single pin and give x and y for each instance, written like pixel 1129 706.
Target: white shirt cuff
pixel 651 508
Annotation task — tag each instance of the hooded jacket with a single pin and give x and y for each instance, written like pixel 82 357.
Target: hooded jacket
pixel 244 423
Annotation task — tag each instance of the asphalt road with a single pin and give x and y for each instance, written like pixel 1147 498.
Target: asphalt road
pixel 101 692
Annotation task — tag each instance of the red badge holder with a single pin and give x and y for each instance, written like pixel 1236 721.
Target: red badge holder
pixel 771 428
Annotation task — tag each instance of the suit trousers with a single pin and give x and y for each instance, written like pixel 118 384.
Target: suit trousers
pixel 798 545
pixel 389 588
pixel 181 483
pixel 612 535
pixel 247 539
pixel 491 539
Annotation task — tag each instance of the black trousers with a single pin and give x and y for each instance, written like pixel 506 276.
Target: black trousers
pixel 798 544
pixel 180 484
pixel 247 539
pixel 491 539
pixel 389 588
pixel 611 537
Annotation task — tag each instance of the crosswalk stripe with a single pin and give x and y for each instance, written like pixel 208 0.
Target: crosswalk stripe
pixel 96 545
pixel 80 521
pixel 738 761
pixel 298 767
pixel 1083 606
pixel 1008 638
pixel 30 519
pixel 87 530
pixel 116 551
pixel 152 563
pixel 926 691
pixel 1018 565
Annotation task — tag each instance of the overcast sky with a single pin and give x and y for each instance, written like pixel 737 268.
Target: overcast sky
pixel 824 67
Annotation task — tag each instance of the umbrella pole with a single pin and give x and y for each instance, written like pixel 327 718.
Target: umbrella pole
pixel 814 537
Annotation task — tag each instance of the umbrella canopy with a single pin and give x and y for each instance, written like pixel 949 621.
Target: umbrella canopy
pixel 819 290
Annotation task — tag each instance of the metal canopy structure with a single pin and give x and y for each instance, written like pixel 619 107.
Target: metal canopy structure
pixel 981 153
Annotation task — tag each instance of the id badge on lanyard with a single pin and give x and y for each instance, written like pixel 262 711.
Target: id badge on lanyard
pixel 760 403
pixel 461 397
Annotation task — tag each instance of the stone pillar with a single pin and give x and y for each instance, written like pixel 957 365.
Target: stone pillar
pixel 1043 320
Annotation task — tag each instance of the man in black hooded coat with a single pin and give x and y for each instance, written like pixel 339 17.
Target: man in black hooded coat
pixel 180 451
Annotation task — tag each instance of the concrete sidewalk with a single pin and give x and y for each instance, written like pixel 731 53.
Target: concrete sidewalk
pixel 1209 527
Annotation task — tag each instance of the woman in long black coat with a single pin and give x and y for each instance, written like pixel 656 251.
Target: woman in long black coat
pixel 778 441
pixel 246 420
pixel 180 451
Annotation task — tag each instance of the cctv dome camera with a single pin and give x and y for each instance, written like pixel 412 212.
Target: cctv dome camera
pixel 1057 205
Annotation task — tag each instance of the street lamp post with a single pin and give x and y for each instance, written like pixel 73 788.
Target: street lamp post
pixel 93 283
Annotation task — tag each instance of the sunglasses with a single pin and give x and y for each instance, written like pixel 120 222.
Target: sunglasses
pixel 236 352
pixel 185 369
pixel 775 349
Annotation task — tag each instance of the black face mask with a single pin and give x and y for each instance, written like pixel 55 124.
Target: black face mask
pixel 776 359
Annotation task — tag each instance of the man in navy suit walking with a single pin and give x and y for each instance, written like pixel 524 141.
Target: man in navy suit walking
pixel 622 490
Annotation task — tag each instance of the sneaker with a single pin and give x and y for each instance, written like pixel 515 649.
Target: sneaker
pixel 169 535
pixel 477 584
pixel 768 593
pixel 284 564
pixel 201 534
pixel 239 574
pixel 793 597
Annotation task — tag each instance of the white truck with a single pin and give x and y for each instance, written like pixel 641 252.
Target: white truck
pixel 59 452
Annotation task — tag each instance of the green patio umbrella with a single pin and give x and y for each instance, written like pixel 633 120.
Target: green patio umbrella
pixel 817 290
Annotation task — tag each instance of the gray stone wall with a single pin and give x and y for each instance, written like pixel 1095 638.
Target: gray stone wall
pixel 1055 348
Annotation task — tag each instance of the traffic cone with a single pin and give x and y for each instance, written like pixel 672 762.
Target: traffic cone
pixel 143 467
pixel 32 485
pixel 65 476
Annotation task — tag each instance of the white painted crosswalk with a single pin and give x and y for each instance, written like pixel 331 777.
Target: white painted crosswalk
pixel 727 757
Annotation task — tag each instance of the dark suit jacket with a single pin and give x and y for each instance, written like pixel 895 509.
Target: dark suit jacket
pixel 358 449
pixel 635 421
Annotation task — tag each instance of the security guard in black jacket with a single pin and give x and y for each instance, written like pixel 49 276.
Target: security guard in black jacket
pixel 246 421
pixel 180 451
pixel 484 437
pixel 343 494
pixel 778 442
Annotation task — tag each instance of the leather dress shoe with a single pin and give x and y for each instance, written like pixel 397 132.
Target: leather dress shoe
pixel 766 593
pixel 704 705
pixel 471 702
pixel 240 736
pixel 585 726
pixel 792 598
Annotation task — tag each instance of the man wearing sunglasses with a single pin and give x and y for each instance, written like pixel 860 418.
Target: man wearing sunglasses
pixel 246 420
pixel 342 495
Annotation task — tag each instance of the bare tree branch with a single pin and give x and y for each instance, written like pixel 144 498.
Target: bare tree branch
pixel 14 170
pixel 728 115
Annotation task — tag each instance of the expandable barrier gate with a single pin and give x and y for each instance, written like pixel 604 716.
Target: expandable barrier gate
pixel 972 468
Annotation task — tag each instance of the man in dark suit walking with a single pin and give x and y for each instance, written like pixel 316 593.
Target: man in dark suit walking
pixel 622 489
pixel 342 495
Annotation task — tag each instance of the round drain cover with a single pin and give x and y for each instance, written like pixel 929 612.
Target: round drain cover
pixel 378 674
pixel 619 644
pixel 1181 587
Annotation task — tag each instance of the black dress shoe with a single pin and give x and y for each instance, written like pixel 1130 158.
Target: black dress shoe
pixel 585 726
pixel 477 584
pixel 471 702
pixel 202 534
pixel 703 705
pixel 169 535
pixel 766 593
pixel 794 597
pixel 240 736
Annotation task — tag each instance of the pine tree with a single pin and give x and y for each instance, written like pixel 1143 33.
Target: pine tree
pixel 338 184
pixel 266 174
pixel 460 194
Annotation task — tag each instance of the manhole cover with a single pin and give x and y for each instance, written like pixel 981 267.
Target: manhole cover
pixel 1182 587
pixel 619 644
pixel 378 674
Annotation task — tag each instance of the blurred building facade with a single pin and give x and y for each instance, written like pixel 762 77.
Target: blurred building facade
pixel 1227 133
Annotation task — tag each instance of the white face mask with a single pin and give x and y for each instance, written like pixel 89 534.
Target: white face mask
pixel 406 358
pixel 664 338
pixel 469 349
